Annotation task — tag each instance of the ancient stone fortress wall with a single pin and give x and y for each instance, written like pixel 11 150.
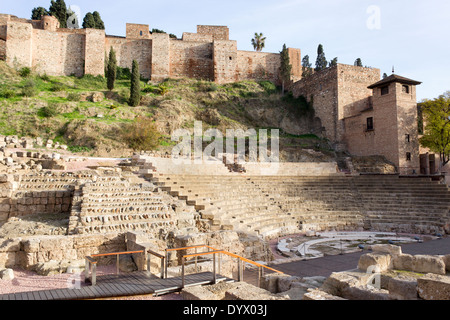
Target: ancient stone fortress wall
pixel 208 54
pixel 336 93
pixel 394 131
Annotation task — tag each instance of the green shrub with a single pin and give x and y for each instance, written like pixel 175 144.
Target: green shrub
pixel 268 86
pixel 48 111
pixel 7 93
pixel 76 149
pixel 29 88
pixel 45 77
pixel 163 89
pixel 141 134
pixel 73 96
pixel 57 86
pixel 91 82
pixel 123 73
pixel 25 72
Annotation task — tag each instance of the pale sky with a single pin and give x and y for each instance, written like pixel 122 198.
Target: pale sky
pixel 413 36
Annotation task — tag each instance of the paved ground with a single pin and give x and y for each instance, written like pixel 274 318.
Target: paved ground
pixel 326 265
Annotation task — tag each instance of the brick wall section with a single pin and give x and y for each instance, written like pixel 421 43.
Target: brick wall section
pixel 252 65
pixel 160 56
pixel 95 52
pixel 225 61
pixel 138 31
pixel 28 252
pixel 191 59
pixel 321 90
pixel 2 49
pixel 19 42
pixel 49 23
pixel 218 32
pixel 60 53
pixel 407 124
pixel 295 58
pixel 336 93
pixel 353 94
pixel 128 50
pixel 394 116
pixel 207 54
pixel 187 36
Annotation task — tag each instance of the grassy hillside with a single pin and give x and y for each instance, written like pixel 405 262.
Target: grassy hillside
pixel 83 114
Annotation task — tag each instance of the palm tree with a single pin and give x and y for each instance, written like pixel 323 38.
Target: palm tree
pixel 258 42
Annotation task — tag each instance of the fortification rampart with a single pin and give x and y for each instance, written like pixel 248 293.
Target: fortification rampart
pixel 208 54
pixel 336 93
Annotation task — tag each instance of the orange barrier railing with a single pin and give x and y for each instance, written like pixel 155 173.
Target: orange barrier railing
pixel 91 262
pixel 214 251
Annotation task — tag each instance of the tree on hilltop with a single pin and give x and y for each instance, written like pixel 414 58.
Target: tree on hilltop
pixel 306 67
pixel 334 62
pixel 58 9
pixel 99 24
pixel 135 89
pixel 111 69
pixel 88 21
pixel 436 116
pixel 93 20
pixel 258 42
pixel 358 63
pixel 321 61
pixel 38 13
pixel 285 67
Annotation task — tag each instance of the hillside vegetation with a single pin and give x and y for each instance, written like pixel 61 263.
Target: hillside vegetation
pixel 83 114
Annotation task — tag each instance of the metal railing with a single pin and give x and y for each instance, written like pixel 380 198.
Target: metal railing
pixel 214 252
pixel 91 264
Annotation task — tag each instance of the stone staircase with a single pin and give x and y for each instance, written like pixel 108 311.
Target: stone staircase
pixel 230 203
pixel 317 203
pixel 113 204
pixel 271 206
pixel 414 205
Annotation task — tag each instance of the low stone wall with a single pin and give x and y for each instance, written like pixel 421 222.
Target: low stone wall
pixel 388 274
pixel 29 252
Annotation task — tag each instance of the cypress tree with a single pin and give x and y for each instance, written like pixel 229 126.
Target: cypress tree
pixel 89 21
pixel 93 20
pixel 111 69
pixel 135 89
pixel 37 13
pixel 321 61
pixel 58 9
pixel 99 24
pixel 285 66
pixel 306 66
pixel 334 62
pixel 358 63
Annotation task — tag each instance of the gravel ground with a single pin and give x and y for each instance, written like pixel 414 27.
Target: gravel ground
pixel 26 281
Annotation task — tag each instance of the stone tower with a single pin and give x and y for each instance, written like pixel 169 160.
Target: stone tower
pixel 393 122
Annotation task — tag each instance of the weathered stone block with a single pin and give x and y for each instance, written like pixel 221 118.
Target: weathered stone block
pixel 378 262
pixel 31 245
pixel 403 289
pixel 10 245
pixel 7 274
pixel 7 259
pixel 434 287
pixel 428 264
pixel 446 260
pixel 403 262
pixel 387 248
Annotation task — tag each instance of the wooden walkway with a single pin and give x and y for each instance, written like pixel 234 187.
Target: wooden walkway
pixel 108 286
